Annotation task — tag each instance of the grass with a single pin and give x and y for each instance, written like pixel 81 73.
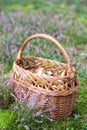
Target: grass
pixel 66 21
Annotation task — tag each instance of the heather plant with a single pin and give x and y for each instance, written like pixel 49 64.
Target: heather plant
pixel 23 117
pixel 5 93
pixel 4 97
pixel 65 31
pixel 26 118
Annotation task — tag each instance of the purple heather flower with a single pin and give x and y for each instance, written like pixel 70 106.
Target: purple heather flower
pixel 9 83
pixel 2 68
pixel 38 113
pixel 14 96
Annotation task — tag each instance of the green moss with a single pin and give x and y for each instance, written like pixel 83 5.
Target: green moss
pixel 82 19
pixel 17 7
pixel 13 8
pixel 28 8
pixel 6 119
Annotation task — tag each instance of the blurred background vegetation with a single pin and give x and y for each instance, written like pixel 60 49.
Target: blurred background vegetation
pixel 66 21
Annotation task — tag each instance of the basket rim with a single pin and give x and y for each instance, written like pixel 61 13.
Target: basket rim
pixel 42 90
pixel 15 63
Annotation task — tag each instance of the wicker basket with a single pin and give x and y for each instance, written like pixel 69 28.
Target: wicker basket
pixel 44 83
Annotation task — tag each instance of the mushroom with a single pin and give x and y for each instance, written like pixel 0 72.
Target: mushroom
pixel 40 71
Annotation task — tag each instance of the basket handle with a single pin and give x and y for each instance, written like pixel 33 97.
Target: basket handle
pixel 19 57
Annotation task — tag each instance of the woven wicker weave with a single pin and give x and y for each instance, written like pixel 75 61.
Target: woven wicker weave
pixel 45 83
